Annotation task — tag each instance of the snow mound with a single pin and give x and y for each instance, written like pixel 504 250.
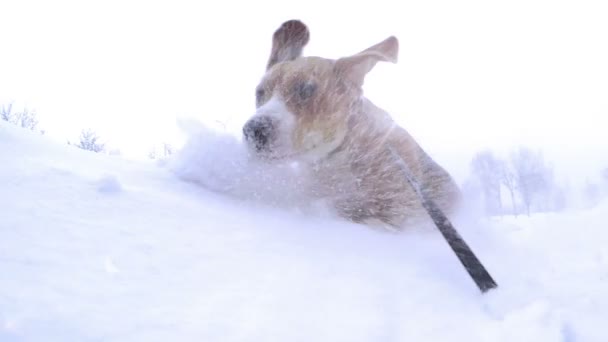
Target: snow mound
pixel 109 184
pixel 220 162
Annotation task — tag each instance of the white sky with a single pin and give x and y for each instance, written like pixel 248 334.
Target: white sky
pixel 471 74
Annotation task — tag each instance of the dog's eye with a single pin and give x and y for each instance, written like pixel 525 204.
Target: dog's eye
pixel 259 96
pixel 306 90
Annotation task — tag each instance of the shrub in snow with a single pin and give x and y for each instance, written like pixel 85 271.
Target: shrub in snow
pixel 90 141
pixel 25 119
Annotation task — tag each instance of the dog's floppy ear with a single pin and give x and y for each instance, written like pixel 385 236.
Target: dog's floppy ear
pixel 357 66
pixel 288 42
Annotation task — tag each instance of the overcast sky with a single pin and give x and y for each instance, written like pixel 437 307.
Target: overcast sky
pixel 471 74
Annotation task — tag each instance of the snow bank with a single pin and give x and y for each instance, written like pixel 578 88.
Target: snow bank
pixel 96 248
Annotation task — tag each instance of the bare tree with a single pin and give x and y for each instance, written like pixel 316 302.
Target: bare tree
pixel 487 169
pixel 532 174
pixel 509 180
pixel 90 141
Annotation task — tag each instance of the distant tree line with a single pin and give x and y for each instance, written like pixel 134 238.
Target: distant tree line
pixel 523 183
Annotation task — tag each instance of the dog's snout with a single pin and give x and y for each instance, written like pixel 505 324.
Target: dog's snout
pixel 259 131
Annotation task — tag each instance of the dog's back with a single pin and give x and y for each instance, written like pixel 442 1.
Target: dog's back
pixel 364 181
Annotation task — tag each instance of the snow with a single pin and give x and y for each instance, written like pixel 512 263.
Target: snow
pixel 98 248
pixel 219 162
pixel 108 184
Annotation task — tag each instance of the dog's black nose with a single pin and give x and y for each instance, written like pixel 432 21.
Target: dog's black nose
pixel 259 131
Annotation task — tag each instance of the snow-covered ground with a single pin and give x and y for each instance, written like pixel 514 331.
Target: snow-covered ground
pixel 98 248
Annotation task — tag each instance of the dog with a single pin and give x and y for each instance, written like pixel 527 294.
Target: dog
pixel 312 110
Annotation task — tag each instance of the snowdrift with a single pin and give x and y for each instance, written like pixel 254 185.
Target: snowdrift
pixel 98 248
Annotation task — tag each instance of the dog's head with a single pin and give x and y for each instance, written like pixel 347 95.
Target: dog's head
pixel 303 103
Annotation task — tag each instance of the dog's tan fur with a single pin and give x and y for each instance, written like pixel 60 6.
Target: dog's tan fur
pixel 343 138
